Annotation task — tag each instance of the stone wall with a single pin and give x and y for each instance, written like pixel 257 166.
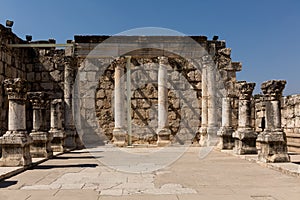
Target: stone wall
pixel 184 100
pixel 291 121
pixel 13 63
pixel 46 73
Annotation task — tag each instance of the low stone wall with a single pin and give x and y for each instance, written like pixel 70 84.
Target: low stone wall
pixel 291 121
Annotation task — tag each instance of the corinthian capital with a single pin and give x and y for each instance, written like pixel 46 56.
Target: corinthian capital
pixel 16 88
pixel 163 60
pixel 245 90
pixel 38 99
pixel 273 88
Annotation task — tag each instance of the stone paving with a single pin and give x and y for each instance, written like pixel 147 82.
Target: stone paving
pixel 135 173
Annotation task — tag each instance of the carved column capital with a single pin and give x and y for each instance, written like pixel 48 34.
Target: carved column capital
pixel 163 60
pixel 245 90
pixel 273 89
pixel 38 99
pixel 56 101
pixel 16 88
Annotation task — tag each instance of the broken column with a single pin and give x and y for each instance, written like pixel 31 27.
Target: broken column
pixel 16 141
pixel 163 131
pixel 119 132
pixel 245 136
pixel 273 140
pixel 41 145
pixel 56 128
pixel 226 140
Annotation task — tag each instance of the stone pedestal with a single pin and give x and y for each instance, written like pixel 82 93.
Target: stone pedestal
pixel 226 140
pixel 273 140
pixel 41 145
pixel 16 142
pixel 163 131
pixel 245 137
pixel 119 132
pixel 56 128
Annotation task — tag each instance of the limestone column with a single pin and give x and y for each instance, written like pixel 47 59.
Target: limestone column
pixel 273 140
pixel 69 77
pixel 16 141
pixel 225 132
pixel 204 109
pixel 245 136
pixel 212 117
pixel 163 131
pixel 119 132
pixel 56 128
pixel 41 145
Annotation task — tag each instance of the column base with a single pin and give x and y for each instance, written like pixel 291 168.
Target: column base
pixel 15 149
pixel 70 142
pixel 226 140
pixel 119 137
pixel 58 141
pixel 41 145
pixel 203 136
pixel 163 138
pixel 273 147
pixel 245 141
pixel 212 138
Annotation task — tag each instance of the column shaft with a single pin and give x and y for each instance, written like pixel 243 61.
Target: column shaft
pixel 119 132
pixel 204 109
pixel 163 131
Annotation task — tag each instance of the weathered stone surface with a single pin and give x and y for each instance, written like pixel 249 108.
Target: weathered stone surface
pixel 245 137
pixel 273 140
pixel 15 142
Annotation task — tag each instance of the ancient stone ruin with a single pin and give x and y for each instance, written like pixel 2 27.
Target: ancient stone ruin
pixel 137 91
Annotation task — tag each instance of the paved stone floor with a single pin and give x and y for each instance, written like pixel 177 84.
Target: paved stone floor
pixel 128 174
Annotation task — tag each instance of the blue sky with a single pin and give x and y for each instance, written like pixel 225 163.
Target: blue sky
pixel 263 34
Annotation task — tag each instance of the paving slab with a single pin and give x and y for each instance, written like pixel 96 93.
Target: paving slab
pixel 196 174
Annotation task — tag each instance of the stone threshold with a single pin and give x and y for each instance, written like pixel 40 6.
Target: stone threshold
pixel 289 168
pixel 7 172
